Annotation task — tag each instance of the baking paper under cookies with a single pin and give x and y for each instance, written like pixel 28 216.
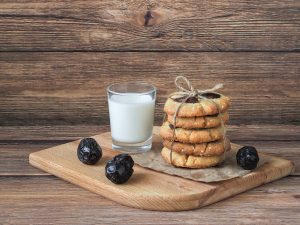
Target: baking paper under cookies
pixel 227 170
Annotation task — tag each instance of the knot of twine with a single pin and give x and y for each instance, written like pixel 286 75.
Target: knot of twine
pixel 188 92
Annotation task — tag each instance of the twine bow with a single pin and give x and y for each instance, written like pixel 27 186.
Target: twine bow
pixel 187 93
pixel 191 91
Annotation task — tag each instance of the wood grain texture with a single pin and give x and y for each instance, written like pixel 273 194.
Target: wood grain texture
pixel 70 88
pixel 47 89
pixel 17 142
pixel 148 189
pixel 14 157
pixel 236 133
pixel 172 25
pixel 55 133
pixel 14 160
pixel 50 200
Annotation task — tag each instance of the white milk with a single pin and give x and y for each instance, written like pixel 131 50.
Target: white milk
pixel 131 117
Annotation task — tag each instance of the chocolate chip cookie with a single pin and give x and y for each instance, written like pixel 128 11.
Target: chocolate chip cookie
pixel 192 136
pixel 189 161
pixel 203 149
pixel 193 106
pixel 200 121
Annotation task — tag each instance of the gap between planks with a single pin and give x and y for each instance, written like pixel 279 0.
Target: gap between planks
pixel 154 51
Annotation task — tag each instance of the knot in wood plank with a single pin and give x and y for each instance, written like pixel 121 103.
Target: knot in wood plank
pixel 148 16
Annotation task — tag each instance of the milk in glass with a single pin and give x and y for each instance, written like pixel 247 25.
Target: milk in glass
pixel 131 117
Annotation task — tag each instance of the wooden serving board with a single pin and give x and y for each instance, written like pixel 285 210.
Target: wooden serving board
pixel 148 189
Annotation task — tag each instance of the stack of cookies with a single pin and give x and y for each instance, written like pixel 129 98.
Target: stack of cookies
pixel 197 139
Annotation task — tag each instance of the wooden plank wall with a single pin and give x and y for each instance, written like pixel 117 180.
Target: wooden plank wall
pixel 57 57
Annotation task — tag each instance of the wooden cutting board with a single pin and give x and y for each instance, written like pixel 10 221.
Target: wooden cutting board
pixel 148 189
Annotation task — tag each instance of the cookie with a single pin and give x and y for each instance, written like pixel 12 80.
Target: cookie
pixel 194 107
pixel 189 161
pixel 203 149
pixel 192 136
pixel 200 121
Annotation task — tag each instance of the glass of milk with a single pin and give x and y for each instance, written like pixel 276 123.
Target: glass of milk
pixel 131 112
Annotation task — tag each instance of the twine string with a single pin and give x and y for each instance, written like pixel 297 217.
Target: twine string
pixel 190 90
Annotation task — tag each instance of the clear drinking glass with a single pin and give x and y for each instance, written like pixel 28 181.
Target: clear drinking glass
pixel 131 112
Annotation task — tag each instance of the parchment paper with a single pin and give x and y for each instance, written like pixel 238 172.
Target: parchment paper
pixel 227 170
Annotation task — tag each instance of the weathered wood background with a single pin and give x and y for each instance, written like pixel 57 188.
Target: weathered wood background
pixel 58 57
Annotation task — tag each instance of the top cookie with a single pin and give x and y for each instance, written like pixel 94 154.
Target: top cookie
pixel 214 104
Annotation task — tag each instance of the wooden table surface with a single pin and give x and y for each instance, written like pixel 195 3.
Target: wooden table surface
pixel 58 57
